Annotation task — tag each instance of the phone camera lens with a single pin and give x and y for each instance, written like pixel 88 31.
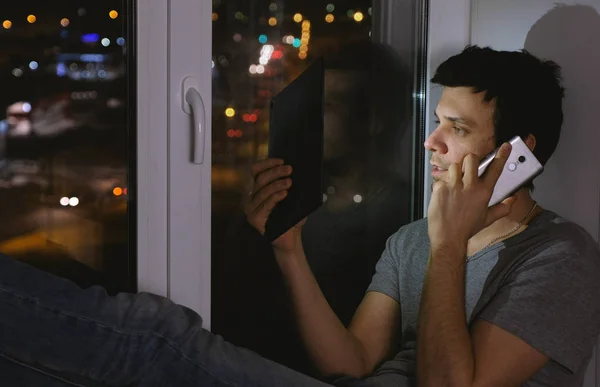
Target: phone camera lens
pixel 522 159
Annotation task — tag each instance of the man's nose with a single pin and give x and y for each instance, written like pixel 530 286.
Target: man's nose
pixel 435 143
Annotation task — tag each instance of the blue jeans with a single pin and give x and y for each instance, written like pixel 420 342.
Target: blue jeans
pixel 53 333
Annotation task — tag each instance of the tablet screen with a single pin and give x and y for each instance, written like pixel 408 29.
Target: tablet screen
pixel 296 136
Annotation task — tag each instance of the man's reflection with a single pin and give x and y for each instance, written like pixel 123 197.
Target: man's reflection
pixel 367 96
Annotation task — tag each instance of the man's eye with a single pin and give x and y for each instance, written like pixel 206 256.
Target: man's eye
pixel 459 131
pixel 437 121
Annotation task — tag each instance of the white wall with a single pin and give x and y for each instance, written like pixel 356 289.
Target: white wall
pixel 449 33
pixel 569 35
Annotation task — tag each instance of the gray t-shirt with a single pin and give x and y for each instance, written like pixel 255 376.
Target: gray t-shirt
pixel 542 285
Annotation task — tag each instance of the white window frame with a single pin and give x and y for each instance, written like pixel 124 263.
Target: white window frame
pixel 174 195
pixel 152 152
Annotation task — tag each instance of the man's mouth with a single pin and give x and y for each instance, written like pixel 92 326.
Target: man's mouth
pixel 437 171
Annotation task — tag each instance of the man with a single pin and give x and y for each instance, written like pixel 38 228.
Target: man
pixel 471 296
pixel 500 297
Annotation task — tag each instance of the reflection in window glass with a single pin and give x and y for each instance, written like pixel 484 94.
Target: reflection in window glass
pixel 258 48
pixel 63 138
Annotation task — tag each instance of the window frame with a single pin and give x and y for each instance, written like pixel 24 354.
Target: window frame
pixel 152 150
pixel 173 225
pixel 410 40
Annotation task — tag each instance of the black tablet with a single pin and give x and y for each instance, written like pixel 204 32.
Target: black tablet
pixel 296 136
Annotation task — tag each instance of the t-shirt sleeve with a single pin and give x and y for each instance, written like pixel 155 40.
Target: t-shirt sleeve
pixel 552 302
pixel 386 277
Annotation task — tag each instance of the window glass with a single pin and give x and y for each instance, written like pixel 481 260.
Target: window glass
pixel 64 138
pixel 259 47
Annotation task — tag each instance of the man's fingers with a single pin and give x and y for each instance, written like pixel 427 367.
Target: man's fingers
pixel 271 175
pixel 263 165
pixel 264 193
pixel 470 166
pixel 454 174
pixel 264 209
pixel 494 170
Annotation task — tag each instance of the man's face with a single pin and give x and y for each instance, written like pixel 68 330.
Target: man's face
pixel 340 116
pixel 466 125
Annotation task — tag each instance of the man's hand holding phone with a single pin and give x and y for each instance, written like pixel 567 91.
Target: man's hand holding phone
pixel 271 184
pixel 459 207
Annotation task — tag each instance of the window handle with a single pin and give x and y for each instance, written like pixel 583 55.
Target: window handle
pixel 192 104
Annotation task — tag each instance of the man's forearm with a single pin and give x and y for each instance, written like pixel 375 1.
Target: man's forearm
pixel 444 347
pixel 332 347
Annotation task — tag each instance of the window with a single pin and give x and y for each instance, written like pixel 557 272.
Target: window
pixel 65 176
pixel 371 139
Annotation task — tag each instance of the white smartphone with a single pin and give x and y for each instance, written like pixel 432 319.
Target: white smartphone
pixel 520 168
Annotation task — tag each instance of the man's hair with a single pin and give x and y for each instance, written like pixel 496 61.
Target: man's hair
pixel 383 84
pixel 380 101
pixel 527 92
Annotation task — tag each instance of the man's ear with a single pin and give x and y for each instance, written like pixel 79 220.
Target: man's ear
pixel 530 141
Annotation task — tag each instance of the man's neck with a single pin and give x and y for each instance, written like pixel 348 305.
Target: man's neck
pixel 521 207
